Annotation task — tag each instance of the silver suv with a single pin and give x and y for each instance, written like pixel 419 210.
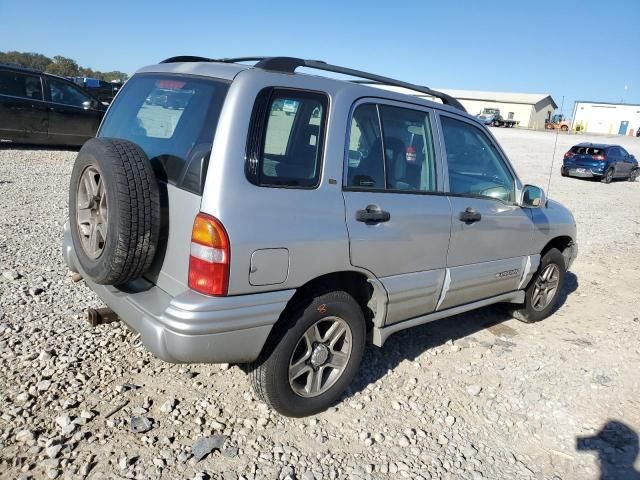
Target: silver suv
pixel 254 215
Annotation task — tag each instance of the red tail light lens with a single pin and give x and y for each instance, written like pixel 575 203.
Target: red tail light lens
pixel 209 259
pixel 599 158
pixel 568 155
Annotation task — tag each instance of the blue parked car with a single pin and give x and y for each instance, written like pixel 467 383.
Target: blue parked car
pixel 594 160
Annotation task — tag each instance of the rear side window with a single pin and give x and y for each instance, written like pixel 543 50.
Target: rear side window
pixel 173 118
pixel 285 143
pixel 20 85
pixel 402 158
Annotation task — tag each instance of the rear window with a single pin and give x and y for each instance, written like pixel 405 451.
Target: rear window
pixel 173 118
pixel 587 150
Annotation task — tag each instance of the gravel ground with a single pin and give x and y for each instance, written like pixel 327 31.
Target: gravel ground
pixel 475 396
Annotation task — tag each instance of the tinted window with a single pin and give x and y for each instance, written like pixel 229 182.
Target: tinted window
pixel 285 144
pixel 66 93
pixel 173 119
pixel 408 149
pixel 475 166
pixel 587 150
pixel 402 158
pixel 20 85
pixel 365 163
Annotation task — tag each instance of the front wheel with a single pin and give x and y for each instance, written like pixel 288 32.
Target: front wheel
pixel 544 288
pixel 311 356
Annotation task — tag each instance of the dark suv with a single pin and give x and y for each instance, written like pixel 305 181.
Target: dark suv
pixel 39 108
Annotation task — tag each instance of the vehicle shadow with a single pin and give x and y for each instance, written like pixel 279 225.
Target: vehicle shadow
pixel 411 343
pixel 616 445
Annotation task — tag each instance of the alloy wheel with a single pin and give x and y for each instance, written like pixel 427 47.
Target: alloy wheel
pixel 545 287
pixel 91 212
pixel 320 357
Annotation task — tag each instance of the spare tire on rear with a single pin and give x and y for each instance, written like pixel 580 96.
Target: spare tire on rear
pixel 114 210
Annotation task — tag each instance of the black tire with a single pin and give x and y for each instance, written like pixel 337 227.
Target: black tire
pixel 564 128
pixel 635 173
pixel 563 172
pixel 527 313
pixel 269 374
pixel 608 175
pixel 132 216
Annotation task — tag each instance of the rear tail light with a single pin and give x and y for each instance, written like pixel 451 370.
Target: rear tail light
pixel 209 259
pixel 599 158
pixel 568 155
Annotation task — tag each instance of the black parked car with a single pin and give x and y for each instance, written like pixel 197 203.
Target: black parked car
pixel 39 108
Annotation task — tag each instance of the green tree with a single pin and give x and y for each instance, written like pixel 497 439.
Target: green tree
pixel 63 66
pixel 25 59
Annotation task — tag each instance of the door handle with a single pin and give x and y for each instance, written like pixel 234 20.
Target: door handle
pixel 372 214
pixel 470 215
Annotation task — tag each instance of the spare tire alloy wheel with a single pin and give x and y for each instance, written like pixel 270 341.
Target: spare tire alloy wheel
pixel 114 211
pixel 92 212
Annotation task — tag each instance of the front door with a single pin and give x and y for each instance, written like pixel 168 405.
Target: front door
pixel 23 113
pixel 490 234
pixel 73 118
pixel 397 216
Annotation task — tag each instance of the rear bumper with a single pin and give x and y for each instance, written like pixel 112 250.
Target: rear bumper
pixel 583 172
pixel 190 327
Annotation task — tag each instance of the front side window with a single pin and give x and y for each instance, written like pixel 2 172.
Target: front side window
pixel 285 145
pixel 20 85
pixel 401 158
pixel 173 118
pixel 475 166
pixel 66 94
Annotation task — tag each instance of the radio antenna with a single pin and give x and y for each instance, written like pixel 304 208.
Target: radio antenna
pixel 555 145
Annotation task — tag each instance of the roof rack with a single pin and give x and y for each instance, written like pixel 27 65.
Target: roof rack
pixel 290 64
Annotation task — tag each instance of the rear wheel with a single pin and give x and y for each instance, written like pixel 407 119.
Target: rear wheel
pixel 608 176
pixel 564 128
pixel 544 288
pixel 634 174
pixel 311 356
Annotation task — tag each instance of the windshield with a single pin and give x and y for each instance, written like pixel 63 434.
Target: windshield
pixel 173 118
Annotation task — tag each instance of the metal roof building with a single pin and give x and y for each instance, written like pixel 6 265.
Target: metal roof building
pixel 530 110
pixel 603 117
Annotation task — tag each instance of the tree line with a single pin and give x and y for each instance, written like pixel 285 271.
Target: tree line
pixel 58 65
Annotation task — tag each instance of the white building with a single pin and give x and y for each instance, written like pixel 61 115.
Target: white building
pixel 610 118
pixel 530 110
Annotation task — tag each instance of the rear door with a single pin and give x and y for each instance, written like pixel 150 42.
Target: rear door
pixel 178 144
pixel 23 113
pixel 74 116
pixel 491 234
pixel 398 218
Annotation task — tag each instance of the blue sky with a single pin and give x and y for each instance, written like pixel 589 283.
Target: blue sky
pixel 577 49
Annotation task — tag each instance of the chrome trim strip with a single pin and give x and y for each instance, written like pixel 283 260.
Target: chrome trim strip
pixel 445 288
pixel 525 272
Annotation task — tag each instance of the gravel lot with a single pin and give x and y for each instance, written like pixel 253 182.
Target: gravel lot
pixel 475 396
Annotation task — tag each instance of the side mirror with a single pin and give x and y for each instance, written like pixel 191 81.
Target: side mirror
pixel 532 197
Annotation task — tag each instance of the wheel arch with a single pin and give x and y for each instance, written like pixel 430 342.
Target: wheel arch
pixel 564 244
pixel 363 287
